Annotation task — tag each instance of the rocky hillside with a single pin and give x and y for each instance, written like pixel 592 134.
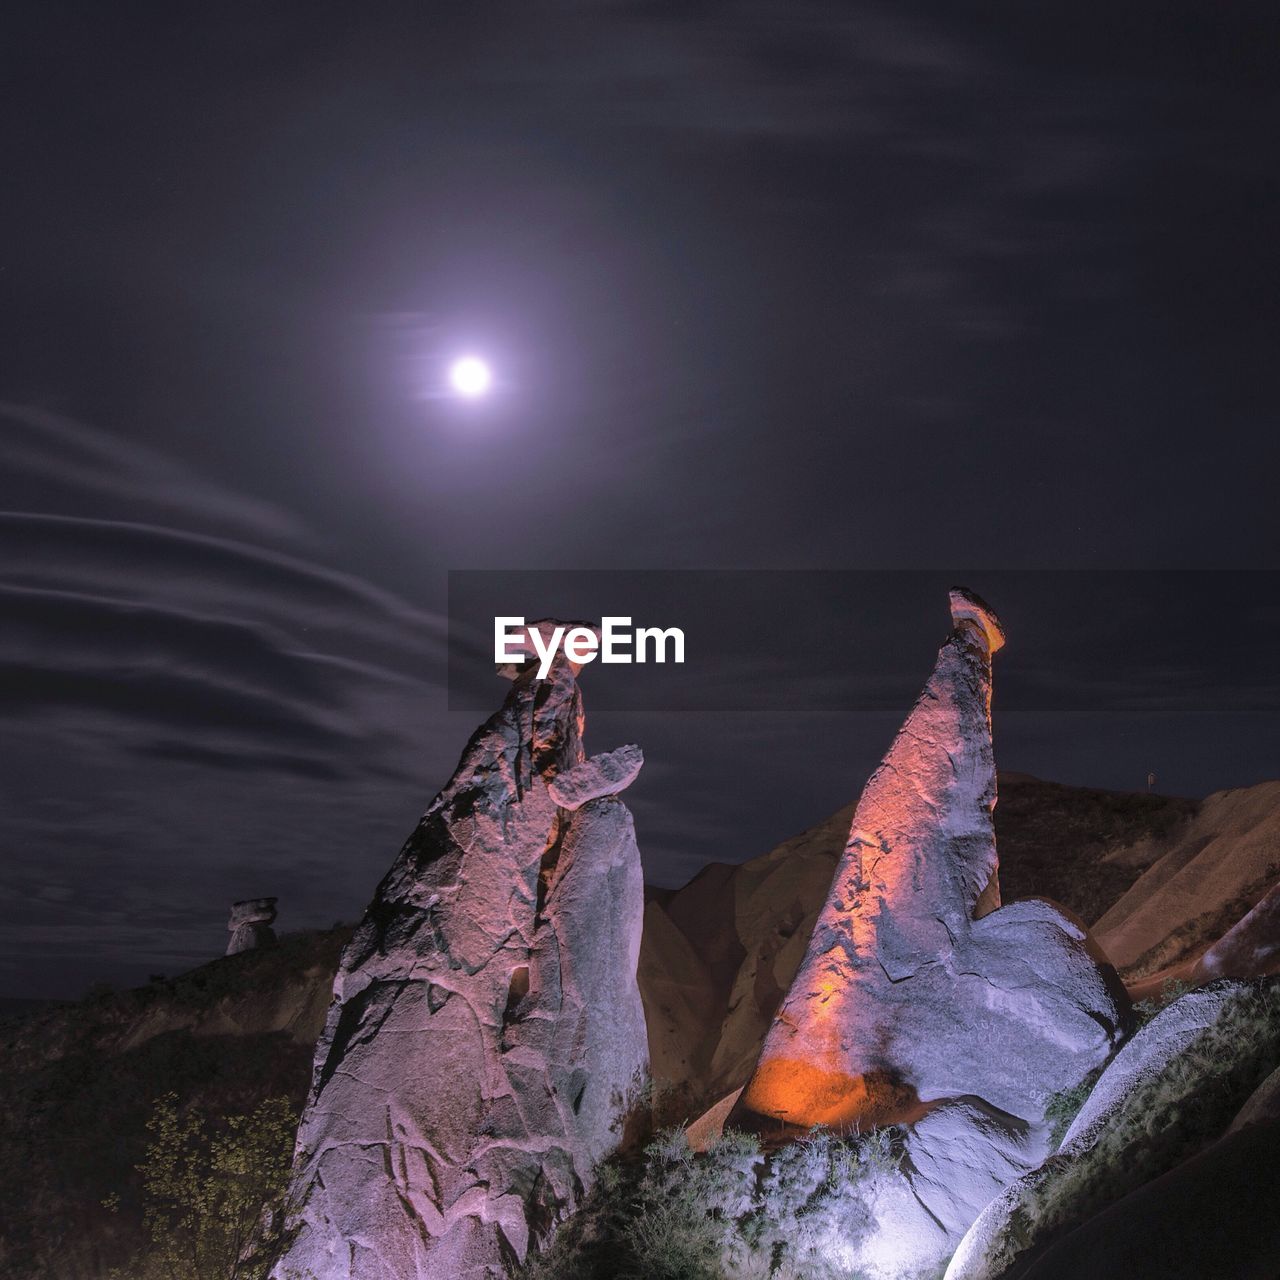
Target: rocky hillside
pixel 81 1079
pixel 1080 846
pixel 1198 885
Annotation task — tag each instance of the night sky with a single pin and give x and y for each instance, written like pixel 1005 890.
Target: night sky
pixel 765 286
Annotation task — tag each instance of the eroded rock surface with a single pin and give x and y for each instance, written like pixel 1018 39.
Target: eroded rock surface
pixel 486 1036
pixel 602 775
pixel 916 986
pixel 250 925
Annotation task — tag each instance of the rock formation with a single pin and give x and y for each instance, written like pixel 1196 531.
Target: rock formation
pixel 250 925
pixel 915 986
pixel 719 953
pixel 486 1034
pixel 602 775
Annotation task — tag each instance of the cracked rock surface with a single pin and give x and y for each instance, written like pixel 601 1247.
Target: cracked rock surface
pixel 486 1036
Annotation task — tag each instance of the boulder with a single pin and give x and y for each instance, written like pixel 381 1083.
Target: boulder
pixel 915 986
pixel 486 1037
pixel 961 1155
pixel 1166 1095
pixel 250 925
pixel 882 1206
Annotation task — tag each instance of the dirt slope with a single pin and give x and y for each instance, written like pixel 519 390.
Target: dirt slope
pixel 1217 869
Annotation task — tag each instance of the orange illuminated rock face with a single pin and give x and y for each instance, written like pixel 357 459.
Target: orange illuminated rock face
pixel 916 986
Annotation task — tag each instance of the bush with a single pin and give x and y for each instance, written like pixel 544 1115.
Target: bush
pixel 688 1206
pixel 213 1192
pixel 1065 1106
pixel 733 1210
pixel 1170 991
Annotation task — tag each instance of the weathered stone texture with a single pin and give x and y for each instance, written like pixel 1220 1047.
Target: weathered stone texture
pixel 916 986
pixel 486 1036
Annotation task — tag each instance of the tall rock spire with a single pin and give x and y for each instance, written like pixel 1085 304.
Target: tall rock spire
pixel 486 1035
pixel 915 987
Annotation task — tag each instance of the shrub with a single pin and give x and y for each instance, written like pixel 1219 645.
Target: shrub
pixel 733 1210
pixel 213 1192
pixel 1065 1106
pixel 1170 991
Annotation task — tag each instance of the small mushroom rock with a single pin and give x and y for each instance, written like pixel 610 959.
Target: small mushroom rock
pixel 917 986
pixel 250 925
pixel 486 1037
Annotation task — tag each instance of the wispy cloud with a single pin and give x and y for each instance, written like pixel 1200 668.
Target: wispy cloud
pixel 51 458
pixel 196 705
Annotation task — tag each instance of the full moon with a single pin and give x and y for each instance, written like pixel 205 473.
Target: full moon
pixel 470 377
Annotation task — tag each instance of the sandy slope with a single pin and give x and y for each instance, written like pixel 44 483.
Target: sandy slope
pixel 1218 868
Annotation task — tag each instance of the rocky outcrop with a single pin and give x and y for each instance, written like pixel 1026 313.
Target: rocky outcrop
pixel 250 925
pixel 918 1000
pixel 915 986
pixel 602 775
pixel 719 953
pixel 1081 847
pixel 486 1035
pixel 1146 1058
